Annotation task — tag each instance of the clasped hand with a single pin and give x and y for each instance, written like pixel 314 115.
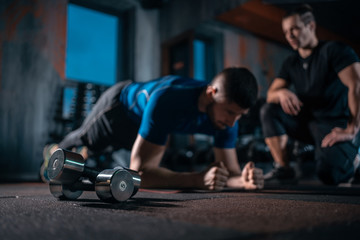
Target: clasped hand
pixel 216 177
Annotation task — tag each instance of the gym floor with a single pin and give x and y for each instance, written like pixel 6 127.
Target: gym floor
pixel 308 210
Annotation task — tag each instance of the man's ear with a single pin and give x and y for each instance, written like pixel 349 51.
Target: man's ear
pixel 312 26
pixel 210 91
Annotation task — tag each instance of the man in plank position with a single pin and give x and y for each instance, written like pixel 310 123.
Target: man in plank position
pixel 141 116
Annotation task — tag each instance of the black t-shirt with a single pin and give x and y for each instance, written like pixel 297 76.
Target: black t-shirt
pixel 316 80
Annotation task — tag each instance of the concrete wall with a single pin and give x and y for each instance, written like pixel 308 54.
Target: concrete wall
pixel 147 44
pixel 264 58
pixel 178 16
pixel 241 48
pixel 32 57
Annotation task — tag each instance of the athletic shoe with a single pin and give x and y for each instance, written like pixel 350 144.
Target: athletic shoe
pixel 281 175
pixel 47 152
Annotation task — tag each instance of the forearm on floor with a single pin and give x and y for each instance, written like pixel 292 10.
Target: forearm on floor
pixel 235 181
pixel 165 178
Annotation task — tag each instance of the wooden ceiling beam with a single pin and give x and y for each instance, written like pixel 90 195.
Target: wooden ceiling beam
pixel 264 20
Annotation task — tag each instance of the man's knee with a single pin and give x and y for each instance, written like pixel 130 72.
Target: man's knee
pixel 268 111
pixel 328 174
pixel 271 122
pixel 333 167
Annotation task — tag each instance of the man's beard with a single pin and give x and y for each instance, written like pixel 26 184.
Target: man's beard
pixel 211 115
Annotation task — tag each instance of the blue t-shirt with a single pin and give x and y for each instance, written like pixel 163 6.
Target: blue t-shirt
pixel 170 105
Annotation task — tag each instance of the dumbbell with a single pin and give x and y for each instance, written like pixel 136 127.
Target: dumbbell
pixel 70 191
pixel 66 168
pixel 118 184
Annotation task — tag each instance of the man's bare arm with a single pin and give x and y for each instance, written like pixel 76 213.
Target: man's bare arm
pixel 146 158
pixel 350 77
pixel 279 93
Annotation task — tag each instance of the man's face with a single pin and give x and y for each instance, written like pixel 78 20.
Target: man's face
pixel 224 114
pixel 296 32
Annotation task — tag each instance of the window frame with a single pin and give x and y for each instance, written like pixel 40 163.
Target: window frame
pixel 214 46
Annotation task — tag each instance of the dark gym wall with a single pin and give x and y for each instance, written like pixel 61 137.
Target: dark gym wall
pixel 240 47
pixel 32 58
pixel 178 16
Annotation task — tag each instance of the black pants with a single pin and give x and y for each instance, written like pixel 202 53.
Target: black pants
pixel 106 128
pixel 334 164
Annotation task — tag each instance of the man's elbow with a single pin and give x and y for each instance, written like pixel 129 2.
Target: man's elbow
pixel 135 163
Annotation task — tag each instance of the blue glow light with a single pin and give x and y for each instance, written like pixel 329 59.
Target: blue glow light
pixel 199 60
pixel 91 52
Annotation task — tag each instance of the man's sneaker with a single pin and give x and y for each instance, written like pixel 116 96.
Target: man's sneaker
pixel 281 175
pixel 47 152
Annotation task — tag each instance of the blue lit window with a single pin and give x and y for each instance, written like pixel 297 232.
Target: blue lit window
pixel 92 46
pixel 68 94
pixel 199 59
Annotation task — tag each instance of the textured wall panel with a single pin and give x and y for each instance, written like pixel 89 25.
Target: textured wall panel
pixel 32 56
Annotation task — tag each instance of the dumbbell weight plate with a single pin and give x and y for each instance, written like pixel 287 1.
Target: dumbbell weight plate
pixel 65 166
pixel 114 185
pixel 136 180
pixel 63 192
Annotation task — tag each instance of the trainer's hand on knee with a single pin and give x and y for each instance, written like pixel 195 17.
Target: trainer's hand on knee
pixel 215 177
pixel 289 102
pixel 337 135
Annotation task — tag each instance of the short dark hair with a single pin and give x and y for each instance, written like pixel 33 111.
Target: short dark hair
pixel 305 12
pixel 240 86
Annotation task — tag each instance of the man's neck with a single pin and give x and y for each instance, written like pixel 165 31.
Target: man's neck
pixel 203 101
pixel 307 51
